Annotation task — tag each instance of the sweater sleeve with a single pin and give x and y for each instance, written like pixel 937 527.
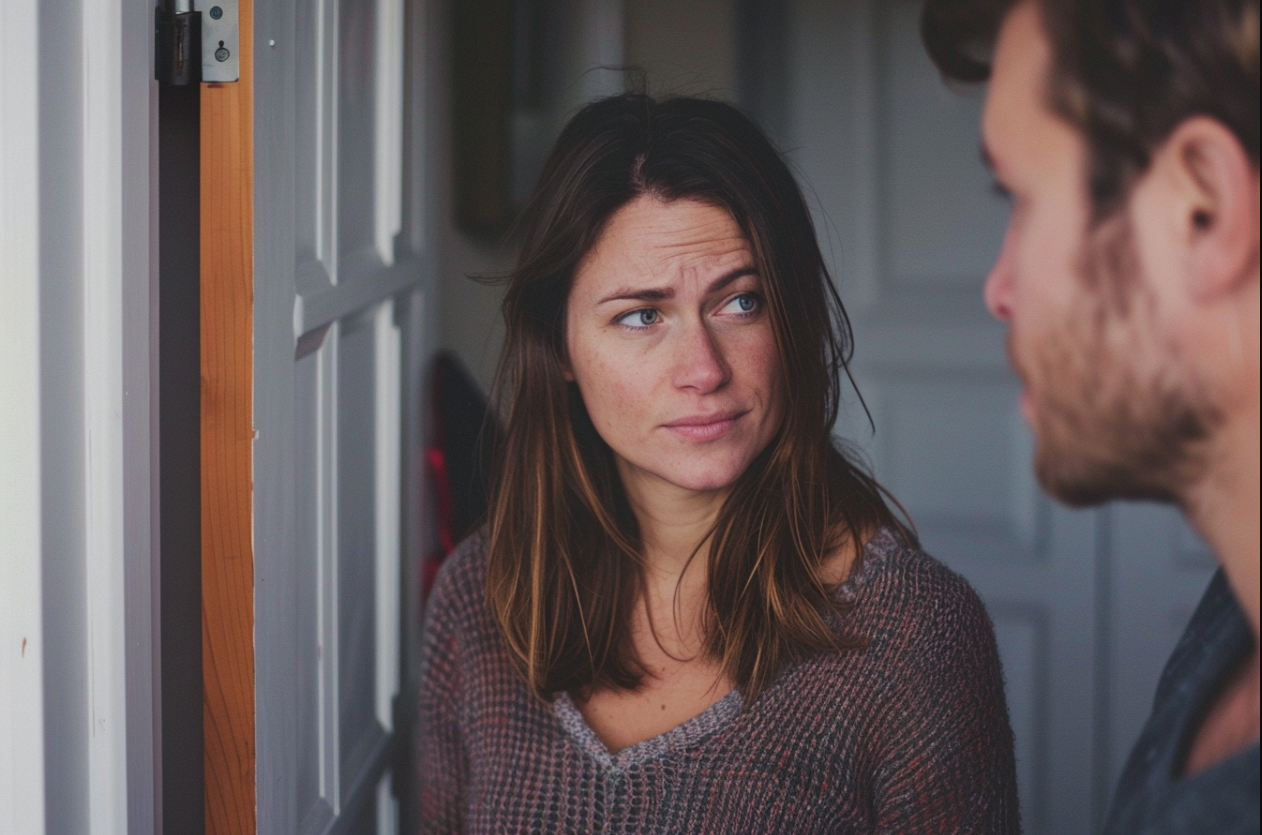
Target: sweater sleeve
pixel 442 759
pixel 949 765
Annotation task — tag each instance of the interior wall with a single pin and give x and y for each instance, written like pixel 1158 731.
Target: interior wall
pixel 468 312
pixel 685 48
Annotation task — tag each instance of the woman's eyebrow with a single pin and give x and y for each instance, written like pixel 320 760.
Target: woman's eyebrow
pixel 724 281
pixel 647 294
pixel 658 294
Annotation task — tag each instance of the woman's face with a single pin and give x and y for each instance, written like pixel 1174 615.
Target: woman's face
pixel 670 344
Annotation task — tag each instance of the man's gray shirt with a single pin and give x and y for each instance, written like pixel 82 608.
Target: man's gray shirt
pixel 1152 798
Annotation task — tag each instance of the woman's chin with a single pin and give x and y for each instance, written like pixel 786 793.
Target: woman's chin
pixel 705 481
pixel 704 470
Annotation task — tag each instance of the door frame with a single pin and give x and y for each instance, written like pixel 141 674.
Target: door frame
pixel 227 438
pixel 78 711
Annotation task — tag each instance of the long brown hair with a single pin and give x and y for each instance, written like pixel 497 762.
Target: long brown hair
pixel 565 562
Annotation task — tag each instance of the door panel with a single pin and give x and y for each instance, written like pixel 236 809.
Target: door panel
pixel 356 585
pixel 315 158
pixel 930 201
pixel 338 298
pixel 314 787
pixel 356 182
pixel 935 426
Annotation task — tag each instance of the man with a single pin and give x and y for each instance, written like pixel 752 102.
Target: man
pixel 1126 133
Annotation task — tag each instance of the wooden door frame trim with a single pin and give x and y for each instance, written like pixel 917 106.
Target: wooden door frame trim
pixel 227 434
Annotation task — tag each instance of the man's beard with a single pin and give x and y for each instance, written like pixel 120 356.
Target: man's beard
pixel 1117 415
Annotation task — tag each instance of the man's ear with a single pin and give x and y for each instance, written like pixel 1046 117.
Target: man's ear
pixel 1215 186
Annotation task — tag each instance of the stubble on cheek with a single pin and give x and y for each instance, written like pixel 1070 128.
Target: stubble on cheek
pixel 1119 418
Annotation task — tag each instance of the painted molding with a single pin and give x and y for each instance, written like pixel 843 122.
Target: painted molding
pixel 21 610
pixel 388 132
pixel 387 506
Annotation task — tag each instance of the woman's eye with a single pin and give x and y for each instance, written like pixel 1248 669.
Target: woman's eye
pixel 741 305
pixel 640 318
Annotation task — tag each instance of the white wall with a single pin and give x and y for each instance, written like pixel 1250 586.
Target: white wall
pixel 77 724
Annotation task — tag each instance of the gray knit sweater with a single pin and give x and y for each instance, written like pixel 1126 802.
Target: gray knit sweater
pixel 909 735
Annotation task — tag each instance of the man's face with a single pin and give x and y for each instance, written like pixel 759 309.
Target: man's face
pixel 1113 412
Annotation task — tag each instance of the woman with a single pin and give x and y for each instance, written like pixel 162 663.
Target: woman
pixel 689 611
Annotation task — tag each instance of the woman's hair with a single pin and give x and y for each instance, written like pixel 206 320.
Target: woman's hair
pixel 565 561
pixel 1125 73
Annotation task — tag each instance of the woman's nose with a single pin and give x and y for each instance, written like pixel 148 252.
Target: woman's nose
pixel 699 361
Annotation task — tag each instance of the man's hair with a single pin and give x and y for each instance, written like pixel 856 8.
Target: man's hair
pixel 1125 73
pixel 565 558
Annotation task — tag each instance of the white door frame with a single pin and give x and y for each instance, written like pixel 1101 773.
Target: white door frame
pixel 78 525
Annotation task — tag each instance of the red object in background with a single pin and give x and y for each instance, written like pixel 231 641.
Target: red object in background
pixel 463 431
pixel 442 495
pixel 437 465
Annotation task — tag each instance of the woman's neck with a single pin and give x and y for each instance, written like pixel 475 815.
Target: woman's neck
pixel 674 525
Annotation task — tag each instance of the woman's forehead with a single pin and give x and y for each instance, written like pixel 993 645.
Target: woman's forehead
pixel 651 240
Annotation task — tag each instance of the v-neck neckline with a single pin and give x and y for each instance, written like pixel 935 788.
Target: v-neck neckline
pixel 718 715
pixel 684 735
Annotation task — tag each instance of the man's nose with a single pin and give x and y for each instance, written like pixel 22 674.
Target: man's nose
pixel 699 361
pixel 999 285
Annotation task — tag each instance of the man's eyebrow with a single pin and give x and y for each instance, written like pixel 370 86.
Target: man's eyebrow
pixel 658 294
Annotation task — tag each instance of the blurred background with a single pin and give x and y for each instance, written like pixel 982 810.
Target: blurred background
pixel 1086 605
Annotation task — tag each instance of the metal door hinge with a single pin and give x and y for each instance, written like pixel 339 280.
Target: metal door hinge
pixel 197 44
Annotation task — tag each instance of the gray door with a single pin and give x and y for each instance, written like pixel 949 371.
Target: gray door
pixel 1086 604
pixel 342 254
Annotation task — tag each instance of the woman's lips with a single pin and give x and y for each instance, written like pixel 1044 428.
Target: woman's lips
pixel 705 427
